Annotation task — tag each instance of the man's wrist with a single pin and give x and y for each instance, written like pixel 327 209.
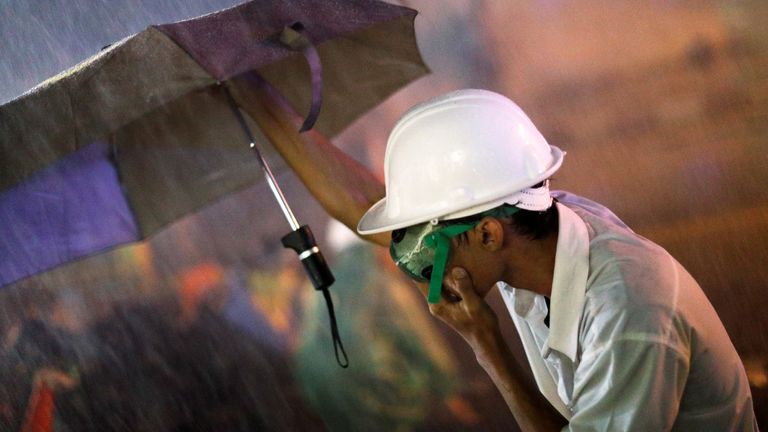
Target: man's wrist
pixel 488 346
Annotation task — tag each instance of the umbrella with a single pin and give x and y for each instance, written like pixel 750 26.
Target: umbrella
pixel 150 128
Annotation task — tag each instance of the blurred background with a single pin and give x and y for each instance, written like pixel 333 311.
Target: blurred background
pixel 211 325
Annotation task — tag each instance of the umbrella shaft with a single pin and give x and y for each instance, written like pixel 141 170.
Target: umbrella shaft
pixel 289 216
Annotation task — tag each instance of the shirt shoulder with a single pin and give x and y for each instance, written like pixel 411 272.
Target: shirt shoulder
pixel 633 284
pixel 585 205
pixel 619 258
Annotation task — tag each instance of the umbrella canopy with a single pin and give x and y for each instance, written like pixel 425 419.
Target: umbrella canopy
pixel 117 147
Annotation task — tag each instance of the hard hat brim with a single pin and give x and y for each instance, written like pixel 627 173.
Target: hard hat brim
pixel 375 220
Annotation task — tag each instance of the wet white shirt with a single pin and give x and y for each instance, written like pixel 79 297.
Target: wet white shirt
pixel 633 343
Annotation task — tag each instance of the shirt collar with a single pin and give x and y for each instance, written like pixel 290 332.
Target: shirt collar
pixel 569 284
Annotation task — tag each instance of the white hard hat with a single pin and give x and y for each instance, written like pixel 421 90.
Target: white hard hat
pixel 460 154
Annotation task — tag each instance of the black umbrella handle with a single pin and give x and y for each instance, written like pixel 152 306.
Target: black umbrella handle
pixel 303 242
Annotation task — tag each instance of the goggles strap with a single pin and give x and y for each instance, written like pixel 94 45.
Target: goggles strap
pixel 441 240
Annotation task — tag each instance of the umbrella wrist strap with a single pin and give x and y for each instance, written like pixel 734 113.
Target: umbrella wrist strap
pixel 338 347
pixel 303 242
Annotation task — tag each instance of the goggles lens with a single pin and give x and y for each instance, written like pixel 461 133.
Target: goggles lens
pixel 409 252
pixel 421 252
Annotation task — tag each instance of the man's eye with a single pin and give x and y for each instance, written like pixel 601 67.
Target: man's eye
pixel 398 235
pixel 427 272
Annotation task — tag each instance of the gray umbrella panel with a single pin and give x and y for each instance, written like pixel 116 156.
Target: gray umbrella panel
pixel 91 100
pixel 359 72
pixel 157 107
pixel 177 144
pixel 170 166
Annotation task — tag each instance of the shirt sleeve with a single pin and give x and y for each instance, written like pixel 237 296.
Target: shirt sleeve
pixel 634 383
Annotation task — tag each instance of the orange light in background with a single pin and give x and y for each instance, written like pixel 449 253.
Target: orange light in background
pixel 194 285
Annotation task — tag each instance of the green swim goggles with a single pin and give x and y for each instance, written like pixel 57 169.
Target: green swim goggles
pixel 421 251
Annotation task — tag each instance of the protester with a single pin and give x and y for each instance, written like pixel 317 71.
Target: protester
pixel 617 334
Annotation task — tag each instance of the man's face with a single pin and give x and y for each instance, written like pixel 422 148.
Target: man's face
pixel 481 266
pixel 471 245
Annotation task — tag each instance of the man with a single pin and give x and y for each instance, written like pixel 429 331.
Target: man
pixel 617 334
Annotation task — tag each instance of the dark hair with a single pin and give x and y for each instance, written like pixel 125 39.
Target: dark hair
pixel 536 224
pixel 533 224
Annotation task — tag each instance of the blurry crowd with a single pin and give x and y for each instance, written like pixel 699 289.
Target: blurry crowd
pixel 145 367
pixel 229 349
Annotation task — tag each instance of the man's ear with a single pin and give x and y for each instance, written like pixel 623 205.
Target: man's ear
pixel 490 232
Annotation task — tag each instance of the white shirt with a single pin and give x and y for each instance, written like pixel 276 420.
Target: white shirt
pixel 633 342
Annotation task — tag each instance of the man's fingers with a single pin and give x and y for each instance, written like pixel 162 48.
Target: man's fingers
pixel 423 288
pixel 460 283
pixel 436 309
pixel 447 294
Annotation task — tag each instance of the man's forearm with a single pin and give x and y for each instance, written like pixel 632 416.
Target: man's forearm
pixel 531 410
pixel 343 186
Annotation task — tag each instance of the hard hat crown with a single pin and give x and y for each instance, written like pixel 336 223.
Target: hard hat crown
pixel 456 155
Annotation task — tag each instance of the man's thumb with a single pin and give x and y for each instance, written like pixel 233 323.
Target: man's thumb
pixel 462 283
pixel 459 273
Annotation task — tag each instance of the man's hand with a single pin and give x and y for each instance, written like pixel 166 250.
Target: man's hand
pixel 469 315
pixel 463 310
